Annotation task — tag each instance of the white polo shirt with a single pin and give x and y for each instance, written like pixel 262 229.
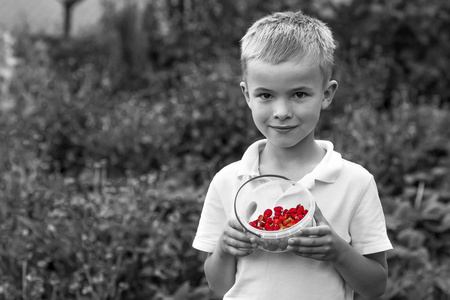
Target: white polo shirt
pixel 348 198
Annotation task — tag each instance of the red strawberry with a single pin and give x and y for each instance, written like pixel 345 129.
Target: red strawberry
pixel 282 218
pixel 267 212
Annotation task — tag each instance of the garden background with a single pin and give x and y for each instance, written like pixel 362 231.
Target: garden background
pixel 108 141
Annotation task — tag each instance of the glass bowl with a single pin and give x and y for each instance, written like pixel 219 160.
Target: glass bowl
pixel 283 197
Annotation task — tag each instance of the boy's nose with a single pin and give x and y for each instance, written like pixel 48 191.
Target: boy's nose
pixel 282 109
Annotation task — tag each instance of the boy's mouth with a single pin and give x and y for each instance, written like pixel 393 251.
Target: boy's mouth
pixel 283 128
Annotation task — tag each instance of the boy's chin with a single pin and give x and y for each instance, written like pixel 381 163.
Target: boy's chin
pixel 284 144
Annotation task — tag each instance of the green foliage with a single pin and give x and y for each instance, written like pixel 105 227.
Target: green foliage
pixel 396 46
pixel 125 241
pixel 108 141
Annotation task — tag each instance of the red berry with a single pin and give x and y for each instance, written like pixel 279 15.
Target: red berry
pixel 282 218
pixel 278 209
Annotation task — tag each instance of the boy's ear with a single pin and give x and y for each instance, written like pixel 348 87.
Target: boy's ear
pixel 244 90
pixel 329 92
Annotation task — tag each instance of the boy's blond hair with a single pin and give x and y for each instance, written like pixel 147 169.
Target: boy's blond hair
pixel 286 36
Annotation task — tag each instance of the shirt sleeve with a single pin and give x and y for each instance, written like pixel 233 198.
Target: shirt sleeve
pixel 212 221
pixel 368 225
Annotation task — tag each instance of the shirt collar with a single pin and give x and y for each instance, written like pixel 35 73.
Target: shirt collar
pixel 250 160
pixel 326 171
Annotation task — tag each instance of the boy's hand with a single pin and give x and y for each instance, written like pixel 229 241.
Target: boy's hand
pixel 320 242
pixel 235 241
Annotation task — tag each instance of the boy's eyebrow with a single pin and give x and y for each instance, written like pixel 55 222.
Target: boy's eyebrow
pixel 263 89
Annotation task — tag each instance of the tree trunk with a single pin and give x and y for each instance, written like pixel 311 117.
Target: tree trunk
pixel 68 7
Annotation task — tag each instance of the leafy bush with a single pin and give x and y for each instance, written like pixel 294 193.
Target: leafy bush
pixel 125 241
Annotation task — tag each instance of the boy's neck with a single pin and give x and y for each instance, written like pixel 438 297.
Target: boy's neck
pixel 294 162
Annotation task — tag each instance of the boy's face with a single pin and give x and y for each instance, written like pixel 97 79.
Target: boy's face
pixel 286 99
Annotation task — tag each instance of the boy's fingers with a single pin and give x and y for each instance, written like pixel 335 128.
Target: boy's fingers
pixel 239 234
pixel 240 231
pixel 235 243
pixel 240 251
pixel 307 241
pixel 236 225
pixel 318 230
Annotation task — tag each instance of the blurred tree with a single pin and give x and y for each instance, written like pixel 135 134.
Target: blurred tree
pixel 68 6
pixel 395 46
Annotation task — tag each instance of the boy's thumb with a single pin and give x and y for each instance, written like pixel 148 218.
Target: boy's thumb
pixel 319 217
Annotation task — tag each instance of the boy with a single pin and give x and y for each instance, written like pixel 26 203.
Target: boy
pixel 287 60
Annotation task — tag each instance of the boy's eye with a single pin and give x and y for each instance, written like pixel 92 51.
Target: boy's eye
pixel 299 95
pixel 265 96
